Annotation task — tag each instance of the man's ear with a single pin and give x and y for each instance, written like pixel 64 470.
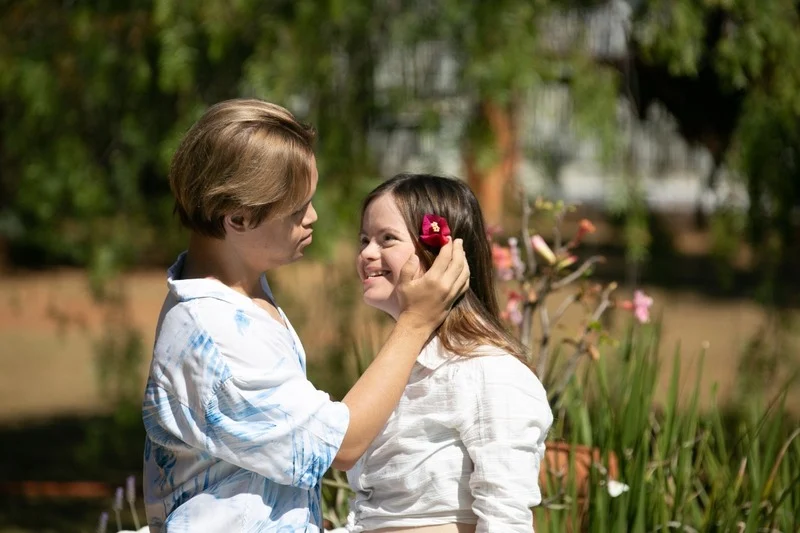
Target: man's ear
pixel 235 223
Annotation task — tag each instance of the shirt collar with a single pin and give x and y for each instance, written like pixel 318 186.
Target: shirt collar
pixel 433 355
pixel 189 289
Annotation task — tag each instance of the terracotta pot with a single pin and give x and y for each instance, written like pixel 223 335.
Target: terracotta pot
pixel 554 473
pixel 555 468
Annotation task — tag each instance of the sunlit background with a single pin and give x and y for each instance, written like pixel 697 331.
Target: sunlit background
pixel 673 125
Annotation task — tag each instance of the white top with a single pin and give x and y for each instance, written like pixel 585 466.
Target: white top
pixel 237 438
pixel 464 445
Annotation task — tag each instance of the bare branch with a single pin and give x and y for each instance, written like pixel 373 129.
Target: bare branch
pixel 568 301
pixel 581 348
pixel 580 271
pixel 541 364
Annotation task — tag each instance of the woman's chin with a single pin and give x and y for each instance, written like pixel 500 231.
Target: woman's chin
pixel 377 303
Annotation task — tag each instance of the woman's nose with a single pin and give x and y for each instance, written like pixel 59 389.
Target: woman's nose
pixel 370 251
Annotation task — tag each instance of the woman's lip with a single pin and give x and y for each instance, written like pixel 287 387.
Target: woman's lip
pixel 369 279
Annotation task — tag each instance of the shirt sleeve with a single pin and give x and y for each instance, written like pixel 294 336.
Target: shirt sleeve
pixel 251 406
pixel 288 434
pixel 505 419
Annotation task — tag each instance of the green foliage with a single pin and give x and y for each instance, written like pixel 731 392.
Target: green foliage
pixel 686 467
pixel 769 153
pixel 749 51
pixel 95 97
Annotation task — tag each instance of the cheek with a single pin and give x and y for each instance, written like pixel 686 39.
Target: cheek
pixel 397 259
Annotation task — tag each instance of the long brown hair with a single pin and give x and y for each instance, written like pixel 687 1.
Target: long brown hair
pixel 474 320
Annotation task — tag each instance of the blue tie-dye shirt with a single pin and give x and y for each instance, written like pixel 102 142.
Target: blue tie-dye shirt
pixel 237 437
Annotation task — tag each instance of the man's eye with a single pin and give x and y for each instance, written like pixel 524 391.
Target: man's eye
pixel 302 209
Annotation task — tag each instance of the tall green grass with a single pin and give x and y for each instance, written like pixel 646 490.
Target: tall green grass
pixel 688 469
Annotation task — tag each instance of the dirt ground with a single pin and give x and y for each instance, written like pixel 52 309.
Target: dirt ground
pixel 49 326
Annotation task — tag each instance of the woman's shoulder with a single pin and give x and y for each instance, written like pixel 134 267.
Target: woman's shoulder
pixel 492 364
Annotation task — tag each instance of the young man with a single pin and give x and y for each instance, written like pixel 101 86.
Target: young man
pixel 237 437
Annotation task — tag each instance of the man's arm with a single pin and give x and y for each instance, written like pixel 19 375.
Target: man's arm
pixel 426 301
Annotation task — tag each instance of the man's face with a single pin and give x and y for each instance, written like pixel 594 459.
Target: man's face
pixel 279 241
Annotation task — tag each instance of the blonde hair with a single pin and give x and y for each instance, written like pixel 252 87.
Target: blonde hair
pixel 242 156
pixel 474 320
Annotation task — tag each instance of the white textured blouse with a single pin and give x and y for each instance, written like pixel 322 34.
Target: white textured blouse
pixel 463 445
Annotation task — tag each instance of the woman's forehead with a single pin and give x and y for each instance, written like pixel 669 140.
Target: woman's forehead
pixel 383 213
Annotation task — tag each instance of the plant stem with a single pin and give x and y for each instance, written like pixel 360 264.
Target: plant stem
pixel 526 236
pixel 135 516
pixel 580 347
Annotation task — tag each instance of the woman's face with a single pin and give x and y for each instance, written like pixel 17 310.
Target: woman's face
pixel 386 245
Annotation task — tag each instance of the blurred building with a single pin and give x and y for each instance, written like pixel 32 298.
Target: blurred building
pixel 670 173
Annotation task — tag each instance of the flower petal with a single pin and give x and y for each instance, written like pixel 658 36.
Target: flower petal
pixel 435 231
pixel 540 246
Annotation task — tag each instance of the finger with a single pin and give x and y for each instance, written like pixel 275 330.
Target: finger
pixel 457 264
pixel 463 281
pixel 459 287
pixel 444 258
pixel 409 270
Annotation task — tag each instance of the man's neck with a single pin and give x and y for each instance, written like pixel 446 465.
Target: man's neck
pixel 212 258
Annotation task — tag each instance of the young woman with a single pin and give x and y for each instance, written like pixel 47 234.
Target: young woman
pixel 461 452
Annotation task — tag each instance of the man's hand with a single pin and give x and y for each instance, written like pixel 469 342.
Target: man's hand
pixel 425 300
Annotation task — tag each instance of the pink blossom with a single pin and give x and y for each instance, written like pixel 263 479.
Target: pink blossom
pixel 516 261
pixel 494 229
pixel 585 227
pixel 540 246
pixel 501 258
pixel 640 306
pixel 512 311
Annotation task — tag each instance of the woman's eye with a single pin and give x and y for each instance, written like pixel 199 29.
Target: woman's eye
pixel 389 237
pixel 363 241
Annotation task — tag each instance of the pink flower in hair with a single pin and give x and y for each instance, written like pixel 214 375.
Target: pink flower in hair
pixel 435 231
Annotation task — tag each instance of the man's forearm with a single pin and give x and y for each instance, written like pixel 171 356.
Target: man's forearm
pixel 376 394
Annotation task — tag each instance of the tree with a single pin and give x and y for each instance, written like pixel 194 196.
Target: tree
pixel 94 97
pixel 729 72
